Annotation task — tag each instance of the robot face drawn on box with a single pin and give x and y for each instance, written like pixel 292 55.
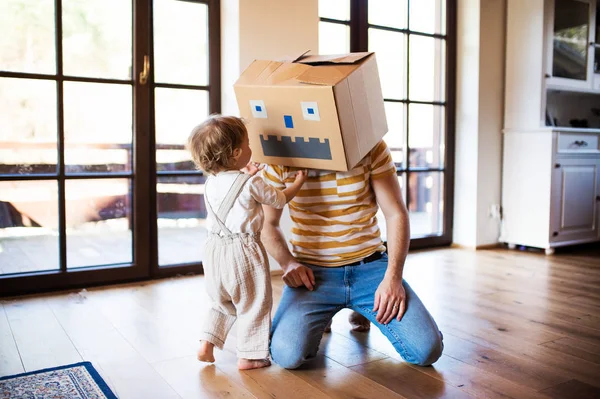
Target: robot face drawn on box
pixel 292 145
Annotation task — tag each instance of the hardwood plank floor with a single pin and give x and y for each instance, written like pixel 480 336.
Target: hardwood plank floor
pixel 38 351
pixel 516 325
pixel 10 360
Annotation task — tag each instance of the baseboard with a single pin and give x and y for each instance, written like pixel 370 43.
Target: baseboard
pixel 478 247
pixel 489 246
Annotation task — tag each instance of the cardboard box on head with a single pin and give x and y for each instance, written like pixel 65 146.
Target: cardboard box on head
pixel 316 111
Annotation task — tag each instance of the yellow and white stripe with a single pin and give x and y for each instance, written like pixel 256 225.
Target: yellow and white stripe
pixel 333 215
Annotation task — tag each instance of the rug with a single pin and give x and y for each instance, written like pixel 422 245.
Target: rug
pixel 74 381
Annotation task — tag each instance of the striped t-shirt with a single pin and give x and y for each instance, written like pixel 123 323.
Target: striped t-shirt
pixel 333 215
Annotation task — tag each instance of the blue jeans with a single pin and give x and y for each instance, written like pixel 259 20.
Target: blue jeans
pixel 302 315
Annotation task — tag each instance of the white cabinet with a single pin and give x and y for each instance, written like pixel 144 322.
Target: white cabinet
pixel 550 175
pixel 551 188
pixel 570 34
pixel 575 200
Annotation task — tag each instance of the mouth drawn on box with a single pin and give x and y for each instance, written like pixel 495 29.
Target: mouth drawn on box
pixel 296 147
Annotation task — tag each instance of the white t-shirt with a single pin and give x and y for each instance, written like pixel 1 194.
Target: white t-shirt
pixel 246 215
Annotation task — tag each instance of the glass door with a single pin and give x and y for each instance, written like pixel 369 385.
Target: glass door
pixel 185 92
pixel 66 143
pixel 92 153
pixel 573 43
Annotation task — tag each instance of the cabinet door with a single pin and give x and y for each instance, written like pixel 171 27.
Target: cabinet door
pixel 574 209
pixel 570 43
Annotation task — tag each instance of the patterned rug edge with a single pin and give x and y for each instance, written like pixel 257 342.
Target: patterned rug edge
pixel 88 366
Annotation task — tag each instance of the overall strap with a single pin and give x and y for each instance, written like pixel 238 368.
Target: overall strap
pixel 227 203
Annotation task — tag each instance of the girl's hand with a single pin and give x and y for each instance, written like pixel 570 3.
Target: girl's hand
pixel 253 168
pixel 301 176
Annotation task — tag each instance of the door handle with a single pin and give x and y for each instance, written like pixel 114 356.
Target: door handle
pixel 146 71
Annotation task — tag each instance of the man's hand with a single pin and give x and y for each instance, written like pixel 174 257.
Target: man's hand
pixel 297 275
pixel 252 168
pixel 390 300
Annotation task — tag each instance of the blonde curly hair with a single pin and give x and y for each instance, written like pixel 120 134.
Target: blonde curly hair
pixel 212 143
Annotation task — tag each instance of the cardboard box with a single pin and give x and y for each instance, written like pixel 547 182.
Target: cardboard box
pixel 318 112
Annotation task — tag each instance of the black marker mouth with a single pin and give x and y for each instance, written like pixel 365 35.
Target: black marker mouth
pixel 283 146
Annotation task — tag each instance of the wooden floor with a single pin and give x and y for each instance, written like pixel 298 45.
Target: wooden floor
pixel 516 325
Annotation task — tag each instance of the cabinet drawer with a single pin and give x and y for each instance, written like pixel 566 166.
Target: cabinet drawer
pixel 577 142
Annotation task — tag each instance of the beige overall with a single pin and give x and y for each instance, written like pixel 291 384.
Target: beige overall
pixel 238 282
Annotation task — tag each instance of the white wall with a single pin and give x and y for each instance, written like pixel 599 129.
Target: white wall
pixel 263 29
pixel 524 60
pixel 479 119
pixel 467 121
pixel 491 117
pixel 230 54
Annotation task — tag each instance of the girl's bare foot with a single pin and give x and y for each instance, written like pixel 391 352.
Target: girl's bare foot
pixel 359 322
pixel 248 364
pixel 205 353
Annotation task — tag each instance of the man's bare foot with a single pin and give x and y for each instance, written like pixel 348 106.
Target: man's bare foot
pixel 205 353
pixel 248 364
pixel 359 322
pixel 328 328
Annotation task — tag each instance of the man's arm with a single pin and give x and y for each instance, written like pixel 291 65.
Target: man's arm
pixel 391 292
pixel 295 274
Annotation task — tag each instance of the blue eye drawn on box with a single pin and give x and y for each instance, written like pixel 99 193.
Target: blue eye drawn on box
pixel 310 111
pixel 258 108
pixel 289 122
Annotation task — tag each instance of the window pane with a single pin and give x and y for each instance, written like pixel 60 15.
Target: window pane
pixel 426 204
pixel 425 135
pixel 571 38
pixel 180 42
pixel 98 127
pixel 390 49
pixel 396 135
pixel 427 69
pixel 334 38
pixel 390 13
pixel 28 132
pixel 99 222
pixel 27 36
pixel 97 38
pixel 335 9
pixel 181 219
pixel 177 112
pixel 428 16
pixel 381 217
pixel 28 226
